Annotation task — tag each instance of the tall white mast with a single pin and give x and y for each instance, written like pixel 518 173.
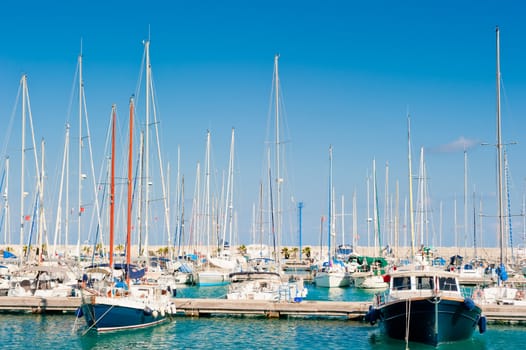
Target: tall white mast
pixel 23 159
pixel 375 208
pixel 343 220
pixel 7 228
pixel 207 192
pixel 63 176
pixel 26 109
pixel 229 197
pixel 422 195
pixel 41 218
pixel 354 221
pixel 465 199
pixel 329 216
pixel 499 158
pixel 411 212
pixel 79 179
pixel 140 186
pixel 279 180
pixel 369 219
pixel 147 149
pixel 387 219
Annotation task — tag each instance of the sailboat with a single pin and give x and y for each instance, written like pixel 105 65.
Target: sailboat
pixel 120 305
pixel 503 293
pixel 368 274
pixel 210 275
pixel 333 272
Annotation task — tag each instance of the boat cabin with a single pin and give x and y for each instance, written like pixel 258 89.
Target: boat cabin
pixel 422 283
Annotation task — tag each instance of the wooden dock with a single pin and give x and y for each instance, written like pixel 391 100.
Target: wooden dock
pixel 192 307
pixel 39 305
pixel 306 308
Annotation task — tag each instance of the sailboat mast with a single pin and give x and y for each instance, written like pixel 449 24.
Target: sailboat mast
pixel 465 200
pixel 66 212
pixel 147 148
pixel 499 157
pixel 377 214
pixel 278 154
pixel 343 219
pixel 22 162
pixel 207 193
pixel 140 185
pixel 411 212
pixel 58 222
pixel 41 205
pixel 79 179
pixel 354 221
pixel 7 228
pixel 329 220
pixel 130 189
pixel 112 183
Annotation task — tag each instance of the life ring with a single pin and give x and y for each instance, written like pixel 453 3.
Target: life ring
pixel 478 294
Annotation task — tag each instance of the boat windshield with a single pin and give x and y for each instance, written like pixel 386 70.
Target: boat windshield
pixel 425 282
pixel 448 283
pixel 402 283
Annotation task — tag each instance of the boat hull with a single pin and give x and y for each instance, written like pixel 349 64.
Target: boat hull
pixel 432 320
pixel 212 278
pixel 108 316
pixel 332 280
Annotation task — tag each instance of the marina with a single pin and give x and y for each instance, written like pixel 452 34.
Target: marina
pixel 209 207
pixel 206 307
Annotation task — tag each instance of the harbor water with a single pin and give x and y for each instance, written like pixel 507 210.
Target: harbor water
pixel 20 331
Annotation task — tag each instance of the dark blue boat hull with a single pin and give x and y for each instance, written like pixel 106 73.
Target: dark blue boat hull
pixel 431 320
pixel 107 317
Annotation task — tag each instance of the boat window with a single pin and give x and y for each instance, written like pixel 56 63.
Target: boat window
pixel 448 283
pixel 425 282
pixel 401 283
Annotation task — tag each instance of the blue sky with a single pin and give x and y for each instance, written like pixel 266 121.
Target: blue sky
pixel 350 72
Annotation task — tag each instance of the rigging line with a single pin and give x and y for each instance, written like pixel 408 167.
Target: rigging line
pixel 96 321
pixel 407 321
pixel 9 128
pixel 507 174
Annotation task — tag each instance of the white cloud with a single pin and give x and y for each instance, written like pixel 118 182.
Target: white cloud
pixel 458 145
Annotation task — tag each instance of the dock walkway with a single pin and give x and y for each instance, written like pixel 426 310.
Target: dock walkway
pixel 193 307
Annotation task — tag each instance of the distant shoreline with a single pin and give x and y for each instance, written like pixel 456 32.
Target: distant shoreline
pixel 491 254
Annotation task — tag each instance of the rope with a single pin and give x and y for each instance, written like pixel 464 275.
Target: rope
pixel 96 321
pixel 407 321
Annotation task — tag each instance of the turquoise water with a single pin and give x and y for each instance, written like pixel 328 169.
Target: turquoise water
pixel 20 331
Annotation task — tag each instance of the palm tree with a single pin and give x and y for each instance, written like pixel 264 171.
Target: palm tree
pixel 86 249
pixel 120 248
pixel 242 249
pixel 285 252
pixel 306 251
pixel 98 248
pixel 295 251
pixel 163 251
pixel 44 249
